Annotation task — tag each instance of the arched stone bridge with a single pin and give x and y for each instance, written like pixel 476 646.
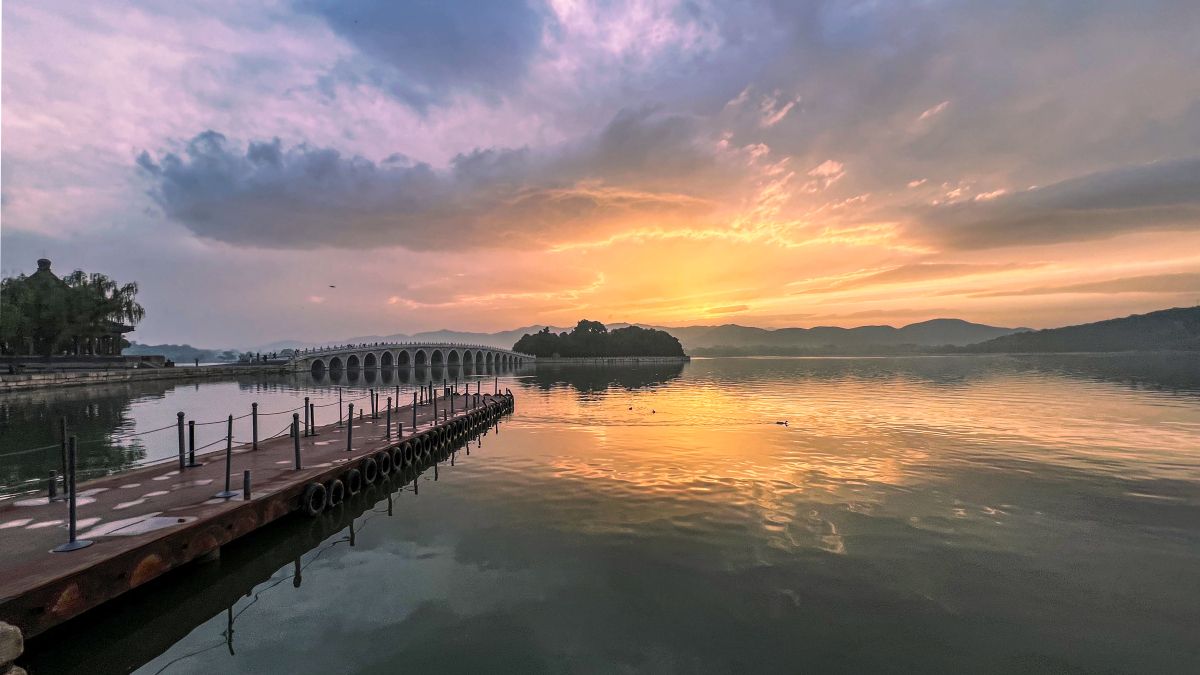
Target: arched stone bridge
pixel 405 355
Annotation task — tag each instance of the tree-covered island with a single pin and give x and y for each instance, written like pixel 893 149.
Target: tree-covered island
pixel 591 339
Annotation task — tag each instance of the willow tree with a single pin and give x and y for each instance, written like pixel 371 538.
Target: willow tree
pixel 42 314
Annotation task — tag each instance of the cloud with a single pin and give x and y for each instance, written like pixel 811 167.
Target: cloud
pixel 642 167
pixel 933 111
pixel 916 272
pixel 732 309
pixel 434 49
pixel 1182 282
pixel 1159 196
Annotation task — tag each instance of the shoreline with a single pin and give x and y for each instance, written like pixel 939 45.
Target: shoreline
pixel 610 360
pixel 27 381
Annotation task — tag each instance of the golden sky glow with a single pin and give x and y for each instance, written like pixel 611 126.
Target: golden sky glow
pixel 663 163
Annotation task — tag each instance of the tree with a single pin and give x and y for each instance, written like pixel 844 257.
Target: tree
pixel 592 339
pixel 46 315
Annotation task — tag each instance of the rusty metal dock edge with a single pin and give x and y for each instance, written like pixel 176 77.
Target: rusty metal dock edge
pixel 68 596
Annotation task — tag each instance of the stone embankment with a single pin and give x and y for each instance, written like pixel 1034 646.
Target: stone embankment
pixel 12 645
pixel 24 381
pixel 612 360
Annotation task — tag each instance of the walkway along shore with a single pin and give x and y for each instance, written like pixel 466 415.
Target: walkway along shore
pixel 26 381
pixel 146 522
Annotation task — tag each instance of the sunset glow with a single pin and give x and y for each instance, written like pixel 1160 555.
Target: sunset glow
pixel 675 163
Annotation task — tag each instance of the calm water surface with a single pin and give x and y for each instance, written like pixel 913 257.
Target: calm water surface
pixel 934 515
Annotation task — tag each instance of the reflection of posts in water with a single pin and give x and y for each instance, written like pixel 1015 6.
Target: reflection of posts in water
pixel 229 630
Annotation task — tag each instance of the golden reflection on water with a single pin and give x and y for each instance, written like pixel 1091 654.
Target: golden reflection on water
pixel 705 451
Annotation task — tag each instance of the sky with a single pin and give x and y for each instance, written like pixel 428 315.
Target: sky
pixel 318 169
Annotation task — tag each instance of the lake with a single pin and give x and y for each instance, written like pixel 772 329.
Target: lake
pixel 989 514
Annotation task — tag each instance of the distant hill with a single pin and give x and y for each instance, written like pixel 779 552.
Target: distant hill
pixel 1168 329
pixel 932 333
pixel 747 339
pixel 183 353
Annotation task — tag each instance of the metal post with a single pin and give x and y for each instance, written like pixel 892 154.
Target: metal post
pixel 307 422
pixel 371 398
pixel 228 461
pixel 72 458
pixel 182 458
pixel 296 426
pixel 350 429
pixel 414 412
pixel 339 407
pixel 452 404
pixel 312 417
pixel 192 444
pixel 246 485
pixel 387 429
pixel 63 448
pixel 435 410
pixel 497 385
pixel 53 485
pixel 254 427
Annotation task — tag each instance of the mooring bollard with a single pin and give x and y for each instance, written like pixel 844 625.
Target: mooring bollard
pixel 307 422
pixel 228 461
pixel 182 457
pixel 387 428
pixel 371 398
pixel 254 427
pixel 246 485
pixel 72 544
pixel 296 426
pixel 350 429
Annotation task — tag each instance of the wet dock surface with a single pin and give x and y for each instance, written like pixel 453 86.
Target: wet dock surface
pixel 150 520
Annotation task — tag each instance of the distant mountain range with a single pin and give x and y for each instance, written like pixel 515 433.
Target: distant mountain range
pixel 1168 329
pixel 927 333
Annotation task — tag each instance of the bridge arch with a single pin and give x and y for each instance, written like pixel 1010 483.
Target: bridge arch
pixel 369 361
pixel 318 367
pixel 421 359
pixel 386 360
pixel 335 363
pixel 353 362
pixel 454 358
pixel 404 358
pixel 437 358
pixel 489 358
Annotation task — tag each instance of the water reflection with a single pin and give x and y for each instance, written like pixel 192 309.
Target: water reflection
pixel 938 515
pixel 142 624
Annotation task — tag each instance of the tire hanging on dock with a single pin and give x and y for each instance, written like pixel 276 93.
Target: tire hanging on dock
pixel 353 481
pixel 369 469
pixel 312 499
pixel 335 491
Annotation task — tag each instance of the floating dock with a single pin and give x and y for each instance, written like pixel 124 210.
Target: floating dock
pixel 149 521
